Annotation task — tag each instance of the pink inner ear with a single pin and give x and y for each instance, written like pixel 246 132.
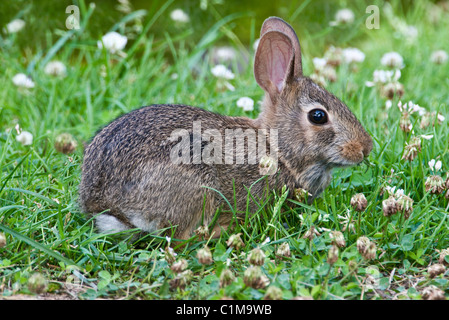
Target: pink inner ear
pixel 280 60
pixel 277 24
pixel 273 62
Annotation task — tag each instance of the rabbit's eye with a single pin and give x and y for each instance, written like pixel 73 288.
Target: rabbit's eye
pixel 317 116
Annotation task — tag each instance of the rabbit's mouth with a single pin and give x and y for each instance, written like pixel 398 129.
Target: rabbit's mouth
pixel 343 164
pixel 348 155
pixel 334 165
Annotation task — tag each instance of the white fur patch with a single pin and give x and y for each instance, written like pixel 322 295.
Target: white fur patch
pixel 109 224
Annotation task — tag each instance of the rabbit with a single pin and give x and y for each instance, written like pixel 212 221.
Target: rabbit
pixel 132 177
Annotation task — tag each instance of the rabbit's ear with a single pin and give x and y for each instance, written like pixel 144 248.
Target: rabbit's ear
pixel 278 56
pixel 277 24
pixel 274 62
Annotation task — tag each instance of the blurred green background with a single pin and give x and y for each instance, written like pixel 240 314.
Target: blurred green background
pixel 45 17
pixel 159 47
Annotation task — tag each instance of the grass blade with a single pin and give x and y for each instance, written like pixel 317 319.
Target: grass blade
pixel 37 245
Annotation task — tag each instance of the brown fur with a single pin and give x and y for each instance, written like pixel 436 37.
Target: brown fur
pixel 127 170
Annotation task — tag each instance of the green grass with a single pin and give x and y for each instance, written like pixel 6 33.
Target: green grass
pixel 47 234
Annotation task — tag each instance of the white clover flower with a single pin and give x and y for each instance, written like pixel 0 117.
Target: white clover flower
pixel 351 55
pixel 246 103
pixel 343 16
pixel 380 76
pixel 346 221
pixel 390 190
pixel 170 250
pixel 404 107
pixel 435 165
pixel 439 57
pixel 427 137
pixel 395 193
pixel 25 138
pixel 225 53
pixel 23 81
pixel 221 71
pixel 392 60
pixel 178 15
pixel 319 63
pixel 440 117
pixel 410 107
pixel 388 104
pixel 113 42
pixel 334 56
pixel 15 26
pixel 384 76
pixel 399 193
pixel 421 111
pixel 56 68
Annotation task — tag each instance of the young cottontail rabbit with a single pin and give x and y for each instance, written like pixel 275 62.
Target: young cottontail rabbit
pixel 138 173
